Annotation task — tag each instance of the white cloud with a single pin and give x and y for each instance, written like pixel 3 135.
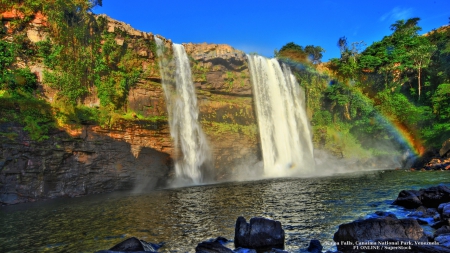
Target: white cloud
pixel 397 13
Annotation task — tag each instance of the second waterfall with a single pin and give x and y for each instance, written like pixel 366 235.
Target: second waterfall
pixel 192 153
pixel 286 143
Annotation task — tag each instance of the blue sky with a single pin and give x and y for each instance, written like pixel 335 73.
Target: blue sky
pixel 262 26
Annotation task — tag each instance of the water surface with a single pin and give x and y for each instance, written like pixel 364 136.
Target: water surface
pixel 308 208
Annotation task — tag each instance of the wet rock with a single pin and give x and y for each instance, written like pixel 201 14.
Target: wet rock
pixel 277 251
pixel 422 221
pixel 445 148
pixel 430 198
pixel 215 246
pixel 260 233
pixel 442 230
pixel 439 224
pixel 385 214
pixel 408 199
pixel 378 229
pixel 133 244
pixel 434 196
pixel 244 250
pixel 443 240
pixel 436 217
pixel 444 210
pixel 315 246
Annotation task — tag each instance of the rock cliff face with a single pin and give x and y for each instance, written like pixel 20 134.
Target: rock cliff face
pixel 132 154
pixel 83 161
pixel 222 81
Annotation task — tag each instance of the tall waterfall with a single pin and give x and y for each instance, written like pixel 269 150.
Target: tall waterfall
pixel 192 152
pixel 286 143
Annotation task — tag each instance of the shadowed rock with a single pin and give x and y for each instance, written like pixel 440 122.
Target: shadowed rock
pixel 260 233
pixel 430 197
pixel 315 246
pixel 408 199
pixel 378 229
pixel 132 245
pixel 445 148
pixel 215 246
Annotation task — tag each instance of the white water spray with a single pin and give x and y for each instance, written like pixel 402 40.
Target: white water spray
pixel 192 150
pixel 284 128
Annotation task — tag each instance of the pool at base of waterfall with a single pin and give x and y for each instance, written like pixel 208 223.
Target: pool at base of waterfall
pixel 308 208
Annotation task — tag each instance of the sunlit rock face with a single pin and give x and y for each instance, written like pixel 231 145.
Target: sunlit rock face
pixel 226 105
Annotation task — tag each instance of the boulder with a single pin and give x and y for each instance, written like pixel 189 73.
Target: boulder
pixel 133 245
pixel 444 209
pixel 442 230
pixel 439 224
pixel 212 247
pixel 260 233
pixel 378 229
pixel 315 246
pixel 445 148
pixel 424 158
pixel 434 196
pixel 431 197
pixel 408 199
pixel 385 214
pixel 244 250
pixel 443 240
pixel 277 251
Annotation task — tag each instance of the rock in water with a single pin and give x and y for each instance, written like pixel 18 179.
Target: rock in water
pixel 133 245
pixel 378 229
pixel 430 197
pixel 261 233
pixel 315 246
pixel 434 196
pixel 215 246
pixel 408 199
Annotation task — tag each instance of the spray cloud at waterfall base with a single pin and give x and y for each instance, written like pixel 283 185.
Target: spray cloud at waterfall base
pixel 192 152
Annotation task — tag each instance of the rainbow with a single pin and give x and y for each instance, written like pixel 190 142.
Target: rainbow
pixel 401 133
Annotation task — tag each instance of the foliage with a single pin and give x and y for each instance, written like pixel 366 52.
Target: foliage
pixel 81 59
pixel 398 82
pixel 35 115
pixel 441 102
pixel 297 53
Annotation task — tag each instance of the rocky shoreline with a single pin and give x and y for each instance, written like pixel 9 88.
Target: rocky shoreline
pixel 383 232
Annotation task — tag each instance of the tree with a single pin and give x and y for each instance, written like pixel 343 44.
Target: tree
pixel 314 53
pixel 421 57
pixel 342 44
pixel 293 52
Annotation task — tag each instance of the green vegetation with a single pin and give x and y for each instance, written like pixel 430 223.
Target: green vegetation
pixel 396 86
pixel 214 128
pixel 81 59
pixel 292 51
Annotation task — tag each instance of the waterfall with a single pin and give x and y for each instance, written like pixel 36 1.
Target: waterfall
pixel 285 133
pixel 192 153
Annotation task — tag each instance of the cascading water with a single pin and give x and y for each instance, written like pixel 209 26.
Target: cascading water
pixel 192 150
pixel 284 128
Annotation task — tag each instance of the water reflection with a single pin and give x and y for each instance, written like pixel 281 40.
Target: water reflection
pixel 310 208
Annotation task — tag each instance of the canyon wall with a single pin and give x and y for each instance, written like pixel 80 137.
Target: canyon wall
pixel 131 154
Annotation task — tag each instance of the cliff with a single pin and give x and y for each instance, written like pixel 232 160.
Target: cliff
pixel 128 153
